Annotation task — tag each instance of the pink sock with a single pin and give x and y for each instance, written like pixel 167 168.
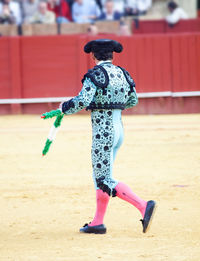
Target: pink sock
pixel 102 199
pixel 125 193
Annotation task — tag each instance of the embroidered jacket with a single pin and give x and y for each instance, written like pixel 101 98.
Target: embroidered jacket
pixel 106 86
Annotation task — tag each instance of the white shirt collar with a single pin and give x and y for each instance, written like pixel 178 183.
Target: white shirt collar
pixel 108 61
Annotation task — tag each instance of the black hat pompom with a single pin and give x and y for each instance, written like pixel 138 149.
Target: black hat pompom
pixel 88 47
pixel 118 48
pixel 103 44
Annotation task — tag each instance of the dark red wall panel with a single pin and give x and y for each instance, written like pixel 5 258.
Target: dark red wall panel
pixel 185 60
pixel 144 58
pixel 5 86
pixel 193 70
pixel 144 63
pixel 161 26
pixel 49 66
pixel 198 60
pixel 150 27
pixel 10 74
pixel 82 61
pixel 190 25
pixel 162 64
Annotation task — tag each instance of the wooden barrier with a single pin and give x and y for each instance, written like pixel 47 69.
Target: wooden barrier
pixel 5 86
pixel 73 28
pixel 147 58
pixel 106 27
pixel 39 29
pixel 149 27
pixel 8 30
pixel 161 26
pixel 10 72
pixel 111 27
pixel 166 66
pixel 49 66
pixel 185 62
pixel 190 25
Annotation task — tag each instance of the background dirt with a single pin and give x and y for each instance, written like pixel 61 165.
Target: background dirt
pixel 45 200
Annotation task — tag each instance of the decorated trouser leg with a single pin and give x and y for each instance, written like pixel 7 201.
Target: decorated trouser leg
pixel 107 139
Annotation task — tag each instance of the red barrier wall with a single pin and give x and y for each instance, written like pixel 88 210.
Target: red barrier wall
pixel 5 91
pixel 185 62
pixel 49 66
pixel 9 68
pixel 149 27
pixel 143 57
pixel 161 26
pixel 53 66
pixel 10 72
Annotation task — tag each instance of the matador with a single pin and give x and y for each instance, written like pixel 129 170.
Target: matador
pixel 107 90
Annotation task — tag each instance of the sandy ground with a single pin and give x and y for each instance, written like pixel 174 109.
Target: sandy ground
pixel 45 200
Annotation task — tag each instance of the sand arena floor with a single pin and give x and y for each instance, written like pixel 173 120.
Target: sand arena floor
pixel 45 200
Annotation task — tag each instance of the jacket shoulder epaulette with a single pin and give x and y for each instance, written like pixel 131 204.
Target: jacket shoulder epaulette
pixel 128 77
pixel 98 75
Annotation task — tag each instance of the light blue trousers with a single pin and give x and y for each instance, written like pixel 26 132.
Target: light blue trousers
pixel 107 130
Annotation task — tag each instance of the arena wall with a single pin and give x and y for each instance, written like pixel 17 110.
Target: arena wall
pixel 161 26
pixel 36 73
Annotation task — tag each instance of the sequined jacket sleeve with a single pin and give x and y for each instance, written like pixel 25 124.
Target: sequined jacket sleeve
pixel 82 100
pixel 132 99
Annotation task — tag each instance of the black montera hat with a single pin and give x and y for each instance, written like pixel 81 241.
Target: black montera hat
pixel 103 44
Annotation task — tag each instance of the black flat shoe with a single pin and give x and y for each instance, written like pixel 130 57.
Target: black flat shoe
pixel 146 221
pixel 100 229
